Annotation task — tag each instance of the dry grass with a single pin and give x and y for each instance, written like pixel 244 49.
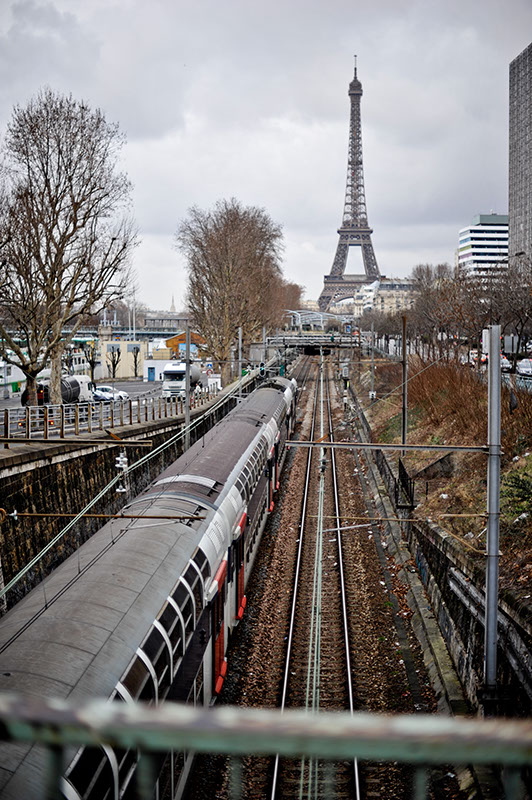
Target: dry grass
pixel 448 405
pixel 456 397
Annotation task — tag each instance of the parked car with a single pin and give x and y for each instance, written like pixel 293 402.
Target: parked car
pixel 524 367
pixel 108 394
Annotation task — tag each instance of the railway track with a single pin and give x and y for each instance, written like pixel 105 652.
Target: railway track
pixel 317 673
pixel 326 626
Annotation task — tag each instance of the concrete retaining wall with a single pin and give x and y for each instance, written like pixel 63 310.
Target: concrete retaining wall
pixel 63 479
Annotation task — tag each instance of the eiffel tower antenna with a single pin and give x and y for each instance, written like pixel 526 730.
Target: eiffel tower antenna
pixel 355 230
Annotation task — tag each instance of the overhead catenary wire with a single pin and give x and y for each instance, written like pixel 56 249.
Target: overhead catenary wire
pixel 53 515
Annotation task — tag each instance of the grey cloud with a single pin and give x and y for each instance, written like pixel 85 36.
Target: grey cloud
pixel 43 45
pixel 248 99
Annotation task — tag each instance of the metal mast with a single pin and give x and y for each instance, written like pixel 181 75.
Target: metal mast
pixel 355 230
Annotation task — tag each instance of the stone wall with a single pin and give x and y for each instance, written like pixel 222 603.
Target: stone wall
pixel 61 479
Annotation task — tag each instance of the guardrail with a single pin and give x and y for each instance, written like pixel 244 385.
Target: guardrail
pixel 47 422
pixel 420 740
pixel 516 381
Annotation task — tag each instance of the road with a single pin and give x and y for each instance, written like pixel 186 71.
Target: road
pixel 135 388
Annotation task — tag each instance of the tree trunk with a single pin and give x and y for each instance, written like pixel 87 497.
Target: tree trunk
pixel 31 386
pixel 56 397
pixel 225 373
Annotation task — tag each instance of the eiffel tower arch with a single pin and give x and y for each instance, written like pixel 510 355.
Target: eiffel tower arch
pixel 355 230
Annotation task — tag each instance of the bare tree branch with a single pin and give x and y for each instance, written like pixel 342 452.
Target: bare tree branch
pixel 64 218
pixel 235 279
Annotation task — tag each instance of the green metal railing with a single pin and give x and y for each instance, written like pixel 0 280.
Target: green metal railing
pixel 420 740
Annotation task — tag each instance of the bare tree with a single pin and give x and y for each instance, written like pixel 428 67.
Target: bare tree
pixel 63 218
pixel 90 350
pixel 113 360
pixel 233 254
pixel 136 360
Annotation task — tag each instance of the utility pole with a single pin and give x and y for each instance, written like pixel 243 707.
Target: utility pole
pixel 187 386
pixel 372 390
pixel 404 415
pixel 492 543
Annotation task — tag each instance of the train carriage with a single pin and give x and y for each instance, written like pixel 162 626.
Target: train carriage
pixel 144 609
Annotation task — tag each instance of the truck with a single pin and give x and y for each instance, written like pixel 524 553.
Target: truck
pixel 174 378
pixel 77 389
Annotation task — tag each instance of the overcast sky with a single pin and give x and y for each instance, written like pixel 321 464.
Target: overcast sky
pixel 247 99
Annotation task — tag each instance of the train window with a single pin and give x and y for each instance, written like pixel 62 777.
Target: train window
pixel 177 635
pixel 149 691
pixel 195 581
pixel 90 773
pixel 240 485
pixel 252 462
pixel 168 617
pixel 122 693
pixel 135 678
pixel 127 762
pixel 203 563
pixel 246 472
pixel 153 645
pixel 164 665
pixel 184 600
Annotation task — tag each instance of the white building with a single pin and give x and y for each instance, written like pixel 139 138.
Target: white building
pixel 12 380
pixel 387 296
pixel 484 244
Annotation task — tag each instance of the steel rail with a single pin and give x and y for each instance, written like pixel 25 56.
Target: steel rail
pixel 302 519
pixel 339 529
pixel 312 694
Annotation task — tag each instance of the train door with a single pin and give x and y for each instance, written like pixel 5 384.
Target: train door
pixel 271 478
pixel 239 565
pixel 277 466
pixel 218 627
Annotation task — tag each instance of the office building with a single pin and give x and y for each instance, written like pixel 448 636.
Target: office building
pixel 483 245
pixel 520 172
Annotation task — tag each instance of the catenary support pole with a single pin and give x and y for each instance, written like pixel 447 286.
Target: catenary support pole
pixel 493 508
pixel 404 415
pixel 187 386
pixel 372 390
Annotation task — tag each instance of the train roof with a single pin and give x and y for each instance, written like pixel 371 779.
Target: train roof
pixel 75 634
pixel 233 434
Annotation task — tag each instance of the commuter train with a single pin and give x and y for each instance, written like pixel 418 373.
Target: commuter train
pixel 144 609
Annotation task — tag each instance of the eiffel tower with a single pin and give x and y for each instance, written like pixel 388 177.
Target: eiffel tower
pixel 354 231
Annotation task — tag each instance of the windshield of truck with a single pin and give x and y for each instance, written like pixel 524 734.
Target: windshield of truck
pixel 174 376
